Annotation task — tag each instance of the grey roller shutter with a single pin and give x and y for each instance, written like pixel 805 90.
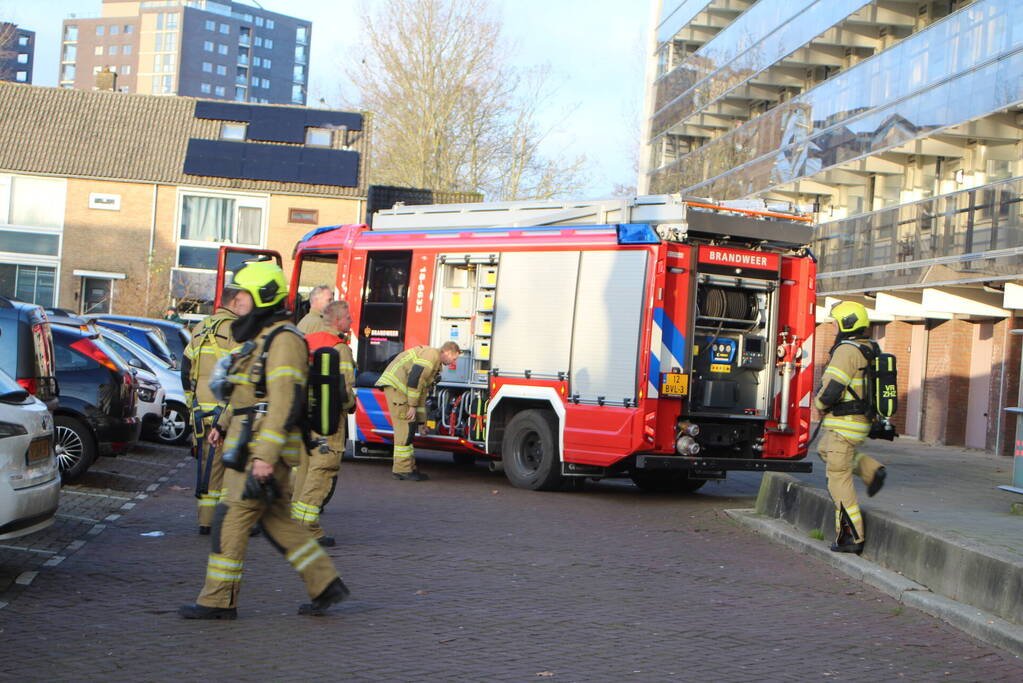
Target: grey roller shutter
pixel 534 311
pixel 608 314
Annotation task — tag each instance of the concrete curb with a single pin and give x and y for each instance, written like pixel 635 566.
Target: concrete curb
pixel 977 623
pixel 959 569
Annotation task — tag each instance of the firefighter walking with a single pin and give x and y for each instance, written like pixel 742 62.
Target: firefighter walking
pixel 210 342
pixel 406 383
pixel 267 382
pixel 846 423
pixel 316 478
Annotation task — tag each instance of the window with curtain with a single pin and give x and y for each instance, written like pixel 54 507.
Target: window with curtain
pixel 207 219
pixel 37 202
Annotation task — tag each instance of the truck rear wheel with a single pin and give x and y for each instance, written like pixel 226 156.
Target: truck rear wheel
pixel 666 482
pixel 529 451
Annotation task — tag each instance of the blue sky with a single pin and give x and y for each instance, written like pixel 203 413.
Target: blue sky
pixel 594 49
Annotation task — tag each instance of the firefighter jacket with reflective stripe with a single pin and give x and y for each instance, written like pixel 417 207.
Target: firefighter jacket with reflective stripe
pixel 313 322
pixel 848 367
pixel 411 373
pixel 210 342
pixel 276 433
pixel 319 340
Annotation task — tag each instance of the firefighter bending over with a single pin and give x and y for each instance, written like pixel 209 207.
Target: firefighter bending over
pixel 317 475
pixel 266 378
pixel 406 383
pixel 846 424
pixel 210 342
pixel 313 321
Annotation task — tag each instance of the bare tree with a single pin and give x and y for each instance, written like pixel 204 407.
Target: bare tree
pixel 8 36
pixel 450 112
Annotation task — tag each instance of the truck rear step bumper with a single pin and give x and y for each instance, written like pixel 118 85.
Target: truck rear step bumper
pixel 709 465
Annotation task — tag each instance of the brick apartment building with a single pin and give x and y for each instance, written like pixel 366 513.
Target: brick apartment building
pixel 202 48
pixel 17 53
pixel 119 202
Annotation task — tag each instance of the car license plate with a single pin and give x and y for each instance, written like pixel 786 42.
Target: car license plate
pixel 39 452
pixel 675 384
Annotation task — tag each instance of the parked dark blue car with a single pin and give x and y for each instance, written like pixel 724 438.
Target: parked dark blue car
pixel 26 348
pixel 95 414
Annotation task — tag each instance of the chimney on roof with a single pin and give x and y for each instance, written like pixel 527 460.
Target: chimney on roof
pixel 106 79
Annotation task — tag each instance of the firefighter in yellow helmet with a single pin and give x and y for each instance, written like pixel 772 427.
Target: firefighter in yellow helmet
pixel 406 383
pixel 211 341
pixel 846 423
pixel 266 378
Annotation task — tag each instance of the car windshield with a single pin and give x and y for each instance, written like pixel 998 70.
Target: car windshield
pixel 133 350
pixel 123 351
pixel 7 385
pixel 159 346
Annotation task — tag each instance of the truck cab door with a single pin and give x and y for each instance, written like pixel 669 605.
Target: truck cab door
pixel 231 259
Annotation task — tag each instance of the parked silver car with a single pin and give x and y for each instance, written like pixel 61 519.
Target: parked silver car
pixel 29 478
pixel 174 428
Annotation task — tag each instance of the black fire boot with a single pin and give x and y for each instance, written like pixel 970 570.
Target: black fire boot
pixel 848 547
pixel 877 483
pixel 334 593
pixel 204 531
pixel 414 475
pixel 326 541
pixel 203 612
pixel 846 541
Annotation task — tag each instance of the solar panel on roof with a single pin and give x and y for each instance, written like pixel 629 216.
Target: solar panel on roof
pixel 280 163
pixel 271 124
pixel 222 111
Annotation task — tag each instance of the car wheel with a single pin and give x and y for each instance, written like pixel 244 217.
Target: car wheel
pixel 75 447
pixel 529 451
pixel 174 428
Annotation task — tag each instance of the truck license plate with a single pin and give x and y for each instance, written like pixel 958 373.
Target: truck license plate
pixel 675 384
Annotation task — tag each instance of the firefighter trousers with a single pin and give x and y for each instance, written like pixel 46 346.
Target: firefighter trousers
pixel 315 481
pixel 214 487
pixel 843 461
pixel 230 538
pixel 404 432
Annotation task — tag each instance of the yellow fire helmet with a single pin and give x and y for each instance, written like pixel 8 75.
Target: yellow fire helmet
pixel 264 280
pixel 850 316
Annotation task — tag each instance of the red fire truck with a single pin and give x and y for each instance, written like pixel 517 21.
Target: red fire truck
pixel 665 340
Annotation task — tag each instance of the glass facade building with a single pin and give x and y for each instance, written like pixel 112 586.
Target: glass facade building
pixel 898 123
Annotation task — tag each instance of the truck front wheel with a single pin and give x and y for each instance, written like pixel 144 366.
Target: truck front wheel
pixel 529 451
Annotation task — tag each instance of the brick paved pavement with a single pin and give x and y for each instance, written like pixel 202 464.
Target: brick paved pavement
pixel 466 578
pixel 111 487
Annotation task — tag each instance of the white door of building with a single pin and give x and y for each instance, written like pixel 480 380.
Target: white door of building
pixel 980 385
pixel 915 379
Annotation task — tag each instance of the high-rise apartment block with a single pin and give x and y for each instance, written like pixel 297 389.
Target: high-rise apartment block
pixel 17 52
pixel 201 48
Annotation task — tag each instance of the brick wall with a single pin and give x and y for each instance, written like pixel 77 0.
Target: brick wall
pixel 1004 385
pixel 947 382
pixel 108 241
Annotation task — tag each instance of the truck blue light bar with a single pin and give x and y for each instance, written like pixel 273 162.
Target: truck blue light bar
pixel 637 233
